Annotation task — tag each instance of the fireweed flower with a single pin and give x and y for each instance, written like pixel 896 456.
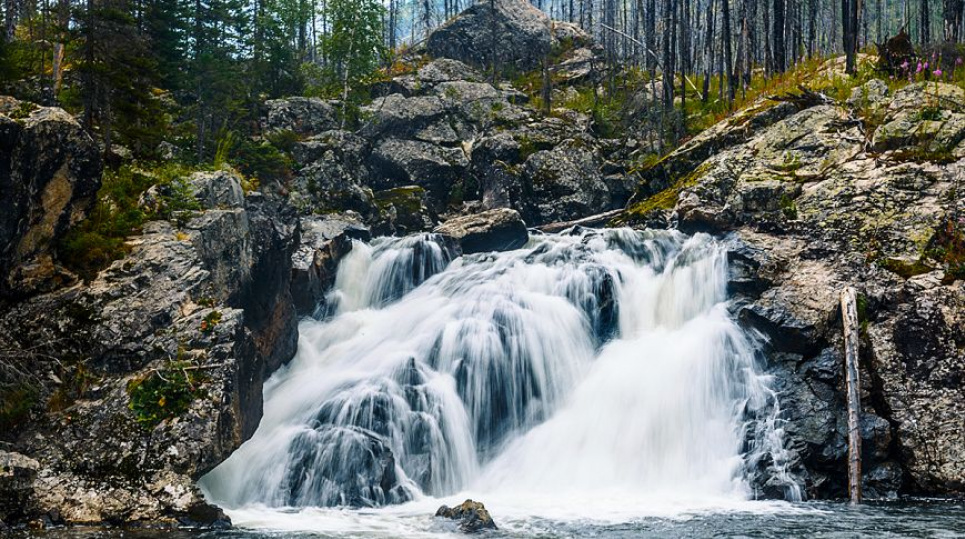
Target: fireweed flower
pixel 918 70
pixel 937 72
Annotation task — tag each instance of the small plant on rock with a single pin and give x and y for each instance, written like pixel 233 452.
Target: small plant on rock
pixel 165 393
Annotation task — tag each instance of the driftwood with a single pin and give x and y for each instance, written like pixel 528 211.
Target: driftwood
pixel 592 220
pixel 849 316
pixel 805 98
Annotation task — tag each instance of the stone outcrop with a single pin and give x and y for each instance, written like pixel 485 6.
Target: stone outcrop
pixel 493 230
pixel 324 241
pixel 49 176
pixel 207 304
pixel 300 115
pixel 812 210
pixel 513 32
pixel 472 516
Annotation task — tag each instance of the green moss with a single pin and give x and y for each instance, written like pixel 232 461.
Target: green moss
pixel 408 199
pixel 23 110
pixel 529 145
pixel 663 200
pixel 904 268
pixel 788 207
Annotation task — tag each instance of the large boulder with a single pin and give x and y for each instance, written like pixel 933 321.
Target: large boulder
pixel 50 171
pixel 493 230
pixel 435 168
pixel 301 115
pixel 332 174
pixel 513 32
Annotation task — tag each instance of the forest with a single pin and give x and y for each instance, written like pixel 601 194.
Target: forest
pixel 194 72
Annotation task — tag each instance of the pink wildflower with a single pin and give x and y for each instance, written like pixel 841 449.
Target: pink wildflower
pixel 919 68
pixel 937 72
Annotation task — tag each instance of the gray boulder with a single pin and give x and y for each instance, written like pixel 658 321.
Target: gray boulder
pixel 332 174
pixel 301 115
pixel 517 32
pixel 435 168
pixel 50 171
pixel 494 230
pixel 566 183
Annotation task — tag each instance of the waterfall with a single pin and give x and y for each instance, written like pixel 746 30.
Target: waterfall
pixel 586 362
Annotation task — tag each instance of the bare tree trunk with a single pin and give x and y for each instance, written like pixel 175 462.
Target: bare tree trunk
pixel 849 16
pixel 953 20
pixel 779 49
pixel 925 31
pixel 728 55
pixel 708 53
pixel 849 315
pixel 11 15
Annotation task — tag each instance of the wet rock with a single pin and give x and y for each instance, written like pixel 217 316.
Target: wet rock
pixel 300 115
pixel 472 516
pixel 49 176
pixel 402 211
pixel 17 474
pixel 493 230
pixel 518 33
pixel 324 241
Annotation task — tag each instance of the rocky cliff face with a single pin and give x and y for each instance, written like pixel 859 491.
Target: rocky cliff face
pixel 49 174
pixel 149 376
pixel 816 197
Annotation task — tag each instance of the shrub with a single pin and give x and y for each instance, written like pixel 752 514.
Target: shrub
pixel 165 393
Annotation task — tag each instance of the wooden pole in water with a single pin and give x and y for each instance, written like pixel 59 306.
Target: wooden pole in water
pixel 849 316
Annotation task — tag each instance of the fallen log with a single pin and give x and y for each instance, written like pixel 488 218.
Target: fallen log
pixel 593 220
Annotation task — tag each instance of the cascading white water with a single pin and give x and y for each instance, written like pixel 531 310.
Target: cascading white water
pixel 590 362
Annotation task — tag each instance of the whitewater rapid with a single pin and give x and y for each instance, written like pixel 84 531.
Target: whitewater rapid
pixel 591 374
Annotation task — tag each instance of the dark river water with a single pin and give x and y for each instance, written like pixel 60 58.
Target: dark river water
pixel 920 519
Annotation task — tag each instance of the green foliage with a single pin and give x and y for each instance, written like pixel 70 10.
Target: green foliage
pixel 165 393
pixel 788 207
pixel 260 161
pixel 353 47
pixel 16 401
pixel 947 247
pixel 209 322
pixel 100 239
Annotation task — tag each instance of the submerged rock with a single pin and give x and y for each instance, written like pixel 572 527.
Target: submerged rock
pixel 472 516
pixel 493 230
